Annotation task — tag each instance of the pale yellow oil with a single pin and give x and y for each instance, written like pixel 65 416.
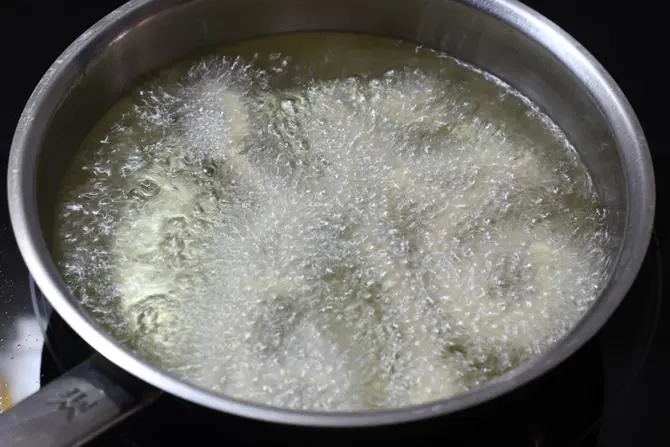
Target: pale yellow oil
pixel 331 222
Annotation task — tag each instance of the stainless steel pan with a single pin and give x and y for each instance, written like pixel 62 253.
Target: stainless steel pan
pixel 501 36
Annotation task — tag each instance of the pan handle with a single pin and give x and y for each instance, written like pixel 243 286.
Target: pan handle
pixel 76 407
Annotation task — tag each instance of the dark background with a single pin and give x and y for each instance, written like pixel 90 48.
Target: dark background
pixel 628 37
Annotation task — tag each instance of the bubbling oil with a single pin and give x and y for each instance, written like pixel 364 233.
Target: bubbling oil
pixel 331 222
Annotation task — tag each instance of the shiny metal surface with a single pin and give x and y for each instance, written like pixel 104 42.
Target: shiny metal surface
pixel 72 410
pixel 500 36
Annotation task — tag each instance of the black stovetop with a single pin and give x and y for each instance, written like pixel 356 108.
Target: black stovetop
pixel 611 393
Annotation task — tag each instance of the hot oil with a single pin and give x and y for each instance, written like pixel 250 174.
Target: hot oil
pixel 331 222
